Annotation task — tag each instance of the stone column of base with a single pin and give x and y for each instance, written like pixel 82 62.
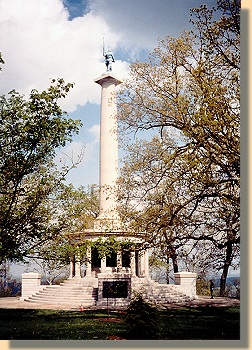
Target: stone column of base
pixel 89 266
pixel 77 269
pixel 71 274
pixel 187 281
pixel 146 263
pixel 103 265
pixel 141 264
pixel 119 261
pixel 133 263
pixel 31 284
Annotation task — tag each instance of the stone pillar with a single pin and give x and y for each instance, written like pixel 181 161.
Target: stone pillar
pixel 141 264
pixel 119 261
pixel 89 265
pixel 187 281
pixel 31 284
pixel 146 263
pixel 77 269
pixel 108 148
pixel 71 274
pixel 133 263
pixel 103 265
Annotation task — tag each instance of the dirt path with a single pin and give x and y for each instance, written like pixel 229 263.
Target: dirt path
pixel 206 301
pixel 15 303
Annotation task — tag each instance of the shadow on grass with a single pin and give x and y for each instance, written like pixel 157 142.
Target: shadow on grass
pixel 205 323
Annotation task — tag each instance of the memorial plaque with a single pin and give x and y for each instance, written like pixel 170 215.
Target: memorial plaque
pixel 115 289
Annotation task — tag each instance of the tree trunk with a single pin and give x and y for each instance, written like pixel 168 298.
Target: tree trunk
pixel 226 266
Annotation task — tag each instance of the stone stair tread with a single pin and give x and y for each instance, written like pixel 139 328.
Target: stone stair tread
pixel 85 292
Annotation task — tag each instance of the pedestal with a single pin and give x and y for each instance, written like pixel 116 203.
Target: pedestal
pixel 31 283
pixel 187 281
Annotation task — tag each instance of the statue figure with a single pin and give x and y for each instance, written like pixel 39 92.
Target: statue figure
pixel 109 58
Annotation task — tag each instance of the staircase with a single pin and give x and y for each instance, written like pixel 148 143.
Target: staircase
pixel 72 292
pixel 76 292
pixel 156 293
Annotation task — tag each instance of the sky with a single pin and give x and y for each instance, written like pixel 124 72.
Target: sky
pixel 46 39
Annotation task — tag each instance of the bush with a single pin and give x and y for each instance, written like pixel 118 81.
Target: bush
pixel 141 320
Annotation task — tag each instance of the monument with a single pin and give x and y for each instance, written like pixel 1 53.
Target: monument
pixel 112 279
pixel 113 274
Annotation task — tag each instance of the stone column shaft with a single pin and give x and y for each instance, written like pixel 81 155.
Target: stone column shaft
pixel 108 147
pixel 119 261
pixel 89 265
pixel 71 275
pixel 146 263
pixel 103 265
pixel 133 263
pixel 77 269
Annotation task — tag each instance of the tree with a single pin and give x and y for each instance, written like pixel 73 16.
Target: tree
pixel 191 85
pixel 31 132
pixel 74 211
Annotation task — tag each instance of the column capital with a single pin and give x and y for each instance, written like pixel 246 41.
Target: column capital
pixel 107 78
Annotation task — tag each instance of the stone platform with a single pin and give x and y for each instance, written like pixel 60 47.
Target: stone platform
pixel 87 292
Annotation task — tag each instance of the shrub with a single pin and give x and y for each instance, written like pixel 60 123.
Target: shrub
pixel 141 320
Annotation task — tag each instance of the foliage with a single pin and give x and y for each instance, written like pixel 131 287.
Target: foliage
pixel 202 285
pixel 108 245
pixel 80 206
pixel 183 187
pixel 31 131
pixel 158 267
pixel 141 320
pixel 75 211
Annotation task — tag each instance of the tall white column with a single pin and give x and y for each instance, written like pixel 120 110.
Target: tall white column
pixel 108 148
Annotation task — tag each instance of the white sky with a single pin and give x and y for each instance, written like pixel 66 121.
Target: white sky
pixel 45 39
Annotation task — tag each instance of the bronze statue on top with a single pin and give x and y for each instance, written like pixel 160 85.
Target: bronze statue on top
pixel 109 58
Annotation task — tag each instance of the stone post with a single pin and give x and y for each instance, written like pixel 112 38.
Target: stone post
pixel 31 284
pixel 187 281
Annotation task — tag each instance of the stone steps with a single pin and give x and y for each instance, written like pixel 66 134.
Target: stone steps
pixel 159 293
pixel 76 292
pixel 70 292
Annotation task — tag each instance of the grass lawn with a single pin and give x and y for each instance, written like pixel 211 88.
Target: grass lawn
pixel 204 323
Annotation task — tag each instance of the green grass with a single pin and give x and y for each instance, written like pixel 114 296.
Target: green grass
pixel 204 323
pixel 208 323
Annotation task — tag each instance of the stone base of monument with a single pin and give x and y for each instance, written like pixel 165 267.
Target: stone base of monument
pixel 107 290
